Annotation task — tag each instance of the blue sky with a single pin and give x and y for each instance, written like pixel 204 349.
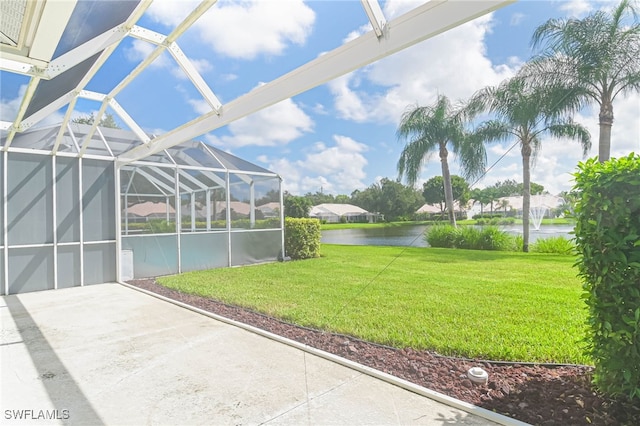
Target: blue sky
pixel 340 136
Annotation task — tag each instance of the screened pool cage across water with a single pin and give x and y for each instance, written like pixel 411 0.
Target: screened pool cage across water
pixel 73 216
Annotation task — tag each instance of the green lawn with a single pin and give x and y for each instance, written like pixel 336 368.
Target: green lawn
pixel 492 305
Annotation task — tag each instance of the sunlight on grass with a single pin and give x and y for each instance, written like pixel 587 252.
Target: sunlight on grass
pixel 493 305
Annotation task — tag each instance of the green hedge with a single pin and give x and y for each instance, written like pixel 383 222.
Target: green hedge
pixel 302 238
pixel 608 242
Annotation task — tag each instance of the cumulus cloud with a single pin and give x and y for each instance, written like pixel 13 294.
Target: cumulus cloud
pixel 454 63
pixel 140 50
pixel 336 168
pixel 244 29
pixel 274 126
pixel 576 8
pixel 516 19
pixel 581 8
pixel 9 110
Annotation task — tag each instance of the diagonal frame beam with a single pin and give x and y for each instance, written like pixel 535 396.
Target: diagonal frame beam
pixel 421 23
pixel 375 15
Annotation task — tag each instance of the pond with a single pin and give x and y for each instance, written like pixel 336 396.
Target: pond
pixel 413 235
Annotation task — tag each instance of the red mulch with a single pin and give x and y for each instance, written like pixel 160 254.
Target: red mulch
pixel 535 394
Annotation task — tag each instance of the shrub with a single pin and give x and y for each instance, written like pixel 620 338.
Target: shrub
pixel 607 237
pixel 469 237
pixel 516 243
pixel 302 238
pixel 442 236
pixel 558 245
pixel 492 238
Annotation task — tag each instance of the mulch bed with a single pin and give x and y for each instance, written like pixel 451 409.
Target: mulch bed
pixel 536 394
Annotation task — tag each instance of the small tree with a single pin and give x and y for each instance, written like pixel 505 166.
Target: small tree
pixel 295 206
pixel 433 191
pixel 390 198
pixel 106 121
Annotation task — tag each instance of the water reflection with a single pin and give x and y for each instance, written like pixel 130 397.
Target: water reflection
pixel 413 235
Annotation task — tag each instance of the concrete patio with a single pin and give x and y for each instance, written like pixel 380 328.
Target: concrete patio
pixel 108 354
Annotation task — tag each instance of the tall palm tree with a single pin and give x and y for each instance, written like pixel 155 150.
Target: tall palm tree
pixel 526 113
pixel 439 127
pixel 597 56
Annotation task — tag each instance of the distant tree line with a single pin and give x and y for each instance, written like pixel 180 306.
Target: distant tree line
pixel 399 202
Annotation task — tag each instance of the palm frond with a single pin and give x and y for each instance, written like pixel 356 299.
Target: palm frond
pixel 572 130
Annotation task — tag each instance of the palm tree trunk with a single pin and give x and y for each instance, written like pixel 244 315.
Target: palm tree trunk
pixel 526 193
pixel 606 121
pixel 448 191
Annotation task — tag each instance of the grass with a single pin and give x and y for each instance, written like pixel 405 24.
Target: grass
pixel 491 305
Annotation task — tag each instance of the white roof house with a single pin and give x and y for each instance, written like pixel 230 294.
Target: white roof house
pixel 435 208
pixel 541 201
pixel 544 200
pixel 333 213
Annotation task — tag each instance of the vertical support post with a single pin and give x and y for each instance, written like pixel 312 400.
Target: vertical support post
pixel 208 195
pixel 118 219
pixel 81 219
pixel 193 211
pixel 126 208
pixel 178 215
pixel 5 224
pixel 54 218
pixel 252 204
pixel 228 213
pixel 168 209
pixel 281 217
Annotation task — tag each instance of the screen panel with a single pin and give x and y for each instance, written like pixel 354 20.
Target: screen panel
pixel 99 263
pixel 30 269
pixel 204 251
pixel 98 200
pixel 255 246
pixel 153 255
pixel 29 199
pixel 1 271
pixel 68 266
pixel 67 200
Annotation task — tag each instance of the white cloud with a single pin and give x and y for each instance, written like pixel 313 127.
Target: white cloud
pixel 277 125
pixel 581 8
pixel 505 149
pixel 516 19
pixel 9 110
pixel 454 63
pixel 140 50
pixel 320 109
pixel 200 106
pixel 576 8
pixel 201 65
pixel 245 29
pixel 337 169
pixel 228 77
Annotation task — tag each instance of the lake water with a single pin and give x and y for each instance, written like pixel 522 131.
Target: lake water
pixel 414 235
